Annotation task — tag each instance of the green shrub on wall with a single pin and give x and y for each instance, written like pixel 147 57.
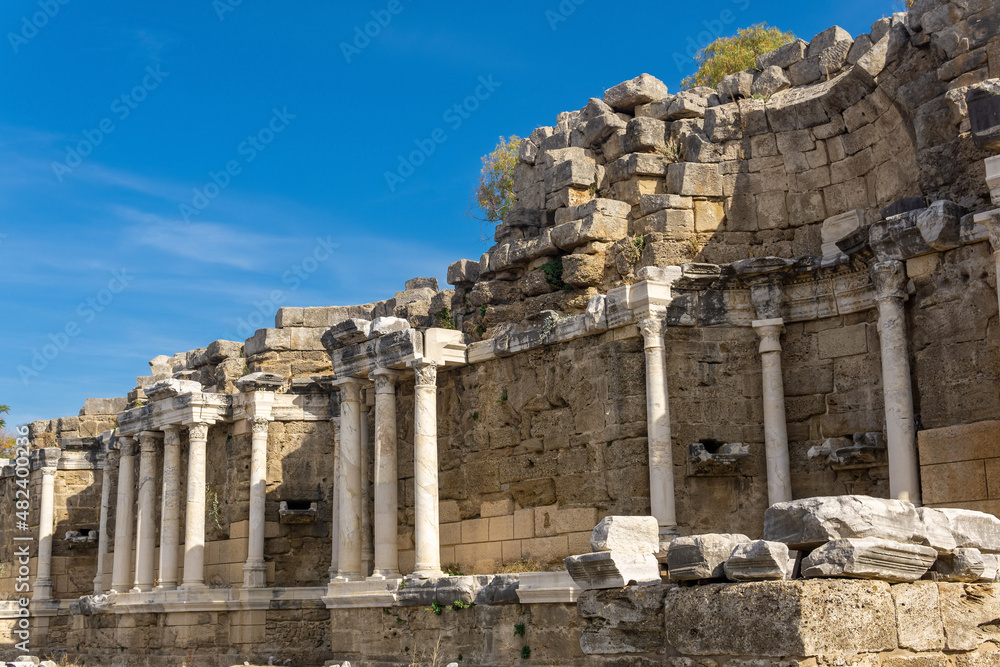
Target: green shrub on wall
pixel 729 55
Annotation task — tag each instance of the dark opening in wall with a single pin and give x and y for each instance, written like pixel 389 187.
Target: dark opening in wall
pixel 298 505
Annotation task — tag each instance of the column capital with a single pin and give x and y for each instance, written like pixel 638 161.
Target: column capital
pixel 259 424
pixel 425 373
pixel 889 279
pixel 992 224
pixel 770 333
pixel 126 446
pixel 652 326
pixel 385 380
pixel 766 298
pixel 197 431
pixel 46 459
pixel 148 440
pixel 172 434
pixel 110 459
pixel 350 389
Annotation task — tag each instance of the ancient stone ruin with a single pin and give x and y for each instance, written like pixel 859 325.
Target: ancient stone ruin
pixel 725 393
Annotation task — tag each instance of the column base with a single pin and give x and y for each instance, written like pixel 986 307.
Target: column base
pixel 193 586
pixel 344 577
pixel 141 589
pixel 384 575
pixel 255 575
pixel 169 586
pixel 426 573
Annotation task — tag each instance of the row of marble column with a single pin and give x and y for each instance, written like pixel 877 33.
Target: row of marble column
pixel 889 280
pixel 352 493
pixel 140 530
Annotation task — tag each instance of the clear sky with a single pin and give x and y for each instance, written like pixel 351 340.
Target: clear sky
pixel 172 172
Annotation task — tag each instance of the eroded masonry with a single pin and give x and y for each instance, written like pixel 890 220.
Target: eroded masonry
pixel 725 392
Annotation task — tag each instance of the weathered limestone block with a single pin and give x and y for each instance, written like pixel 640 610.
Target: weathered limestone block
pixel 869 558
pixel 637 164
pixel 812 522
pixel 694 179
pixel 463 272
pixel 626 533
pixel 640 90
pixel 658 109
pixel 383 326
pixel 736 86
pixel 608 207
pixel 646 135
pixel 983 102
pixel 970 614
pixel 837 228
pixel 991 568
pixel 701 556
pixel 675 224
pixel 940 225
pixel 686 105
pixel 351 331
pixel 918 616
pixel 581 270
pixel 781 618
pixel 759 560
pixel 783 57
pixel 628 620
pixel 578 173
pixel 963 565
pixel 613 569
pixel 825 56
pixel 652 203
pixel 770 81
pixel 595 227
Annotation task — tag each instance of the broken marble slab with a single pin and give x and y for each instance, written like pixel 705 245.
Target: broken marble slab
pixel 811 522
pixel 613 569
pixel 971 529
pixel 760 560
pixel 963 565
pixel 701 556
pixel 991 568
pixel 638 534
pixel 869 558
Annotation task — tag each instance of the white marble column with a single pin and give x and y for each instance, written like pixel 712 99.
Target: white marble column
pixel 661 467
pixel 779 477
pixel 367 552
pixel 386 476
pixel 349 552
pixel 48 460
pixel 427 536
pixel 194 519
pixel 102 530
pixel 335 498
pixel 170 509
pixel 255 571
pixel 145 531
pixel 121 573
pixel 889 279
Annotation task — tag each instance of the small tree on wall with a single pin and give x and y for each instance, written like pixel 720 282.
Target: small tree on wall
pixel 7 441
pixel 729 55
pixel 494 194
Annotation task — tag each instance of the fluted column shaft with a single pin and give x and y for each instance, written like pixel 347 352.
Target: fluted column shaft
pixel 46 525
pixel 102 534
pixel 779 477
pixel 349 552
pixel 121 570
pixel 889 279
pixel 335 500
pixel 661 467
pixel 427 536
pixel 386 476
pixel 170 509
pixel 145 545
pixel 255 571
pixel 194 520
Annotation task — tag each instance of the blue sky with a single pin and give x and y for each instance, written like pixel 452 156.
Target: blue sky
pixel 170 173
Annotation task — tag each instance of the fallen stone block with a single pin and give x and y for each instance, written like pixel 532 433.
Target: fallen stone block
pixel 383 326
pixel 760 560
pixel 351 332
pixel 639 534
pixel 971 529
pixel 464 271
pixel 685 105
pixel 869 558
pixel 701 556
pixel 811 522
pixel 640 90
pixel 991 568
pixel 613 569
pixel 940 225
pixel 962 565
